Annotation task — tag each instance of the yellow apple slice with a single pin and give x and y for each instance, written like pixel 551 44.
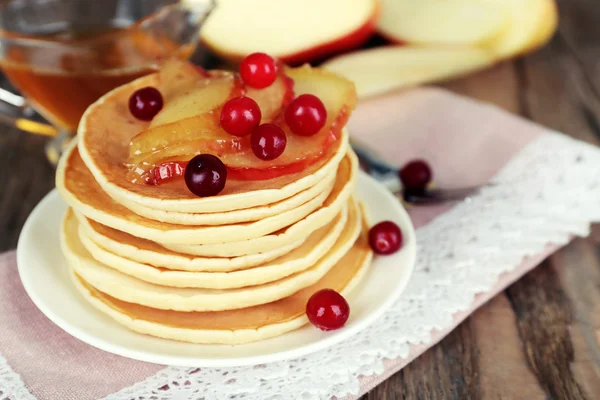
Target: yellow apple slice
pixel 339 98
pixel 383 69
pixel 210 96
pixel 337 94
pixel 531 23
pixel 464 22
pixel 176 76
pixel 294 31
pixel 190 121
pixel 548 28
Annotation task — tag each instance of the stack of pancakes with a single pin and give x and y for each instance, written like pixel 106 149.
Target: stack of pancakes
pixel 232 268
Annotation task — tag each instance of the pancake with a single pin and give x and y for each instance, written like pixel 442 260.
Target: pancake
pixel 235 216
pixel 148 252
pixel 79 189
pixel 105 132
pixel 130 289
pixel 270 242
pixel 233 326
pixel 305 256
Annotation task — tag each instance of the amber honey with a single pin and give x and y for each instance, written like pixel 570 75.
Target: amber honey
pixel 63 90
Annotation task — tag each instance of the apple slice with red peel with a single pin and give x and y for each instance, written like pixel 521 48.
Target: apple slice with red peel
pixel 191 121
pixel 294 31
pixel 339 97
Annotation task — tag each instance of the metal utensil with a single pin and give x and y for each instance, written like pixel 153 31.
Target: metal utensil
pixel 389 177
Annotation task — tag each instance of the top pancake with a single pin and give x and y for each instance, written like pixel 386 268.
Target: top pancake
pixel 105 132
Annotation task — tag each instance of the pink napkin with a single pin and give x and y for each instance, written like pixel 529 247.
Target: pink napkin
pixel 465 141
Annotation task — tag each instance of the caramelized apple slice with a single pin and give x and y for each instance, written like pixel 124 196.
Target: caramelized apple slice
pixel 339 98
pixel 192 115
pixel 273 98
pixel 190 122
pixel 207 98
pixel 176 76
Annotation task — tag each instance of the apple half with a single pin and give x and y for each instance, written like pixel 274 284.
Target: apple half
pixel 295 31
pixel 464 22
pixel 383 69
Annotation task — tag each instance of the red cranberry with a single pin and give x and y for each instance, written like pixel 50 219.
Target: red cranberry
pixel 240 115
pixel 268 141
pixel 327 310
pixel 205 175
pixel 306 115
pixel 145 103
pixel 258 70
pixel 415 175
pixel 385 238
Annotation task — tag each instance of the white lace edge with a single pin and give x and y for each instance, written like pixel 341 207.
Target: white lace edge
pixel 11 385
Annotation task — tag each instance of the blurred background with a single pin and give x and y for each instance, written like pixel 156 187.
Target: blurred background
pixel 537 58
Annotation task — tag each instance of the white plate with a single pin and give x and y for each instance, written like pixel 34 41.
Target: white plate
pixel 44 274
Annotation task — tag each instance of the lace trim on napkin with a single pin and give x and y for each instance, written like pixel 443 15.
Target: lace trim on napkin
pixel 11 385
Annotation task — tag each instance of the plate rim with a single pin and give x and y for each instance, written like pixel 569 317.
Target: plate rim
pixel 165 359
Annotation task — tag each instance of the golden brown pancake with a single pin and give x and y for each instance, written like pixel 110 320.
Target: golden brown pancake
pixel 148 252
pixel 131 289
pixel 234 326
pixel 302 258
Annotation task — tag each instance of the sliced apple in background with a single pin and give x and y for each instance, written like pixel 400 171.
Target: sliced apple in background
pixel 548 27
pixel 383 69
pixel 465 22
pixel 294 31
pixel 531 23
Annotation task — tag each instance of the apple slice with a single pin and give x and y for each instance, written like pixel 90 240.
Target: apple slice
pixel 194 114
pixel 191 121
pixel 176 76
pixel 339 97
pixel 294 31
pixel 531 23
pixel 548 27
pixel 465 22
pixel 337 94
pixel 383 69
pixel 274 97
pixel 204 98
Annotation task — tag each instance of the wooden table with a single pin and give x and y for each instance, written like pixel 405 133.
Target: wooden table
pixel 540 339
